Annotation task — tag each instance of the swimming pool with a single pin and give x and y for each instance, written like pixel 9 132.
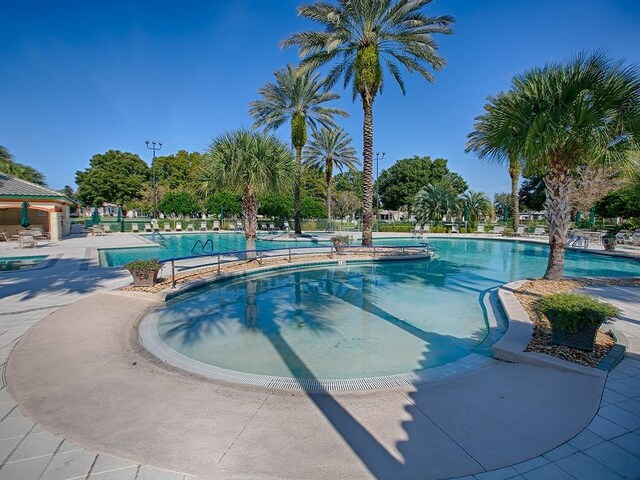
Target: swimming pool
pixel 20 263
pixel 356 321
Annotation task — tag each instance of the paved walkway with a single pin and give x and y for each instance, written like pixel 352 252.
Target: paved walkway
pixel 608 448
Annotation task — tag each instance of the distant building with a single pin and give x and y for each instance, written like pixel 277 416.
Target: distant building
pixel 48 209
pixel 105 210
pixel 533 216
pixel 391 215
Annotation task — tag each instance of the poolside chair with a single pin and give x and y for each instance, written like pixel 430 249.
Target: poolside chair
pixel 216 225
pixel 154 225
pixel 520 231
pixel 426 228
pixel 203 226
pixel 167 227
pixel 26 240
pixel 480 229
pixel 272 227
pixel 454 229
pixel 286 226
pixel 417 231
pixel 190 227
pixel 621 236
pixel 239 226
pixel 97 231
pixel 147 227
pixel 539 232
pixel 135 228
pixel 106 229
pixel 178 226
pixel 634 240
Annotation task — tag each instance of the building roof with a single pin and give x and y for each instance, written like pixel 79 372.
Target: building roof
pixel 12 187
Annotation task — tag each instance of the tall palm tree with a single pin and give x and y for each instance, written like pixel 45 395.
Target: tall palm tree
pixel 360 36
pixel 477 203
pixel 556 118
pixel 297 96
pixel 330 148
pixel 249 163
pixel 435 202
pixel 514 175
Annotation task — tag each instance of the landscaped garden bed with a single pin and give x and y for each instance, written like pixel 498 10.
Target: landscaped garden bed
pixel 529 293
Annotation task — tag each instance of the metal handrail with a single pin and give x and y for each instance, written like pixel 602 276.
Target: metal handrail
pixel 288 252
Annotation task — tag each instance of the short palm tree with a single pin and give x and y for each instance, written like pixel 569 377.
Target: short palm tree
pixel 435 202
pixel 477 203
pixel 559 117
pixel 327 149
pixel 360 36
pixel 249 163
pixel 501 201
pixel 296 97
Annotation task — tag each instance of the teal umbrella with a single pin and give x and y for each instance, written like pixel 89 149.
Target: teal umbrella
pixel 221 213
pixel 465 213
pixel 95 217
pixel 505 213
pixel 24 215
pixel 592 217
pixel 578 217
pixel 119 217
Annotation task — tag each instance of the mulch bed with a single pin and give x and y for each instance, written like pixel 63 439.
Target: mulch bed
pixel 531 291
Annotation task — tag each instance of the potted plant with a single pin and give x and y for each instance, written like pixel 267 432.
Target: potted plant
pixel 609 241
pixel 144 272
pixel 575 318
pixel 340 242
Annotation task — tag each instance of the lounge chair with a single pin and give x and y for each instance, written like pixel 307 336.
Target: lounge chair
pixel 480 229
pixel 190 227
pixel 539 232
pixel 154 225
pixel 426 228
pixel 135 228
pixel 417 231
pixel 621 236
pixel 272 227
pixel 26 240
pixel 97 231
pixel 454 229
pixel 239 227
pixel 147 227
pixel 178 226
pixel 106 229
pixel 216 225
pixel 520 231
pixel 203 226
pixel 286 226
pixel 167 227
pixel 634 240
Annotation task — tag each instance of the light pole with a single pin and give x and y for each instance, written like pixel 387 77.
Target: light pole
pixel 154 146
pixel 379 156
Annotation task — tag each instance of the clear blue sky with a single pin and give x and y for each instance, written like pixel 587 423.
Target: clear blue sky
pixel 81 77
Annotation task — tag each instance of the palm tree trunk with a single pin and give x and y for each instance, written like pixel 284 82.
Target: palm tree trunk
pixel 514 173
pixel 297 215
pixel 329 174
pixel 367 182
pixel 557 183
pixel 250 213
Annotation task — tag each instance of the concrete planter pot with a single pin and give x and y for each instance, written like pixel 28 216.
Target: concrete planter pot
pixel 582 339
pixel 144 278
pixel 609 243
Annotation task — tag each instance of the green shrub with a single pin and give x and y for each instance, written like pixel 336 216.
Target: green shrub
pixel 144 265
pixel 572 311
pixel 397 228
pixel 341 240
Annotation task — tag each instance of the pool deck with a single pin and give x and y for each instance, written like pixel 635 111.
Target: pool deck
pixel 93 405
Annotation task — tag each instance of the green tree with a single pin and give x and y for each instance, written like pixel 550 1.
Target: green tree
pixel 399 183
pixel 297 97
pixel 359 38
pixel 624 202
pixel 180 170
pixel 435 202
pixel 313 208
pixel 114 176
pixel 477 203
pixel 178 202
pixel 349 181
pixel 9 166
pixel 276 205
pixel 531 193
pixel 500 200
pixel 251 164
pixel 222 200
pixel 557 118
pixel 328 149
pixel 347 202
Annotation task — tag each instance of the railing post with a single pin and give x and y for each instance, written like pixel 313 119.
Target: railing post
pixel 173 274
pixel 374 251
pixel 218 264
pixel 289 254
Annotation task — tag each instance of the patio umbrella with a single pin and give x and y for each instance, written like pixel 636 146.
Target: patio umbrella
pixel 578 217
pixel 95 216
pixel 465 213
pixel 505 213
pixel 592 217
pixel 24 215
pixel 119 216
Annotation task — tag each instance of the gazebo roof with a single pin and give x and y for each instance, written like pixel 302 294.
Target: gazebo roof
pixel 12 187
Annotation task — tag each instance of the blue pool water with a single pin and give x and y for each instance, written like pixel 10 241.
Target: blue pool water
pixel 359 320
pixel 20 263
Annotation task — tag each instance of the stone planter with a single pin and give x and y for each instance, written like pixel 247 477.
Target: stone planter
pixel 144 278
pixel 582 339
pixel 609 243
pixel 340 247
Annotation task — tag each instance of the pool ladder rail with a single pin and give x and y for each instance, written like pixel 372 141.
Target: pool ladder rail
pixel 203 247
pixel 162 241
